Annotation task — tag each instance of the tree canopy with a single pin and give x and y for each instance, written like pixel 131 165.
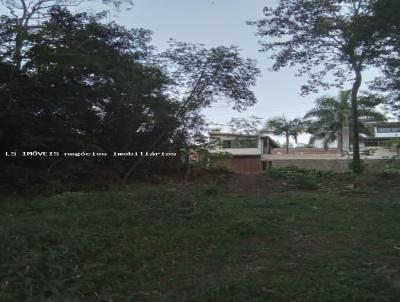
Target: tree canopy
pixel 86 85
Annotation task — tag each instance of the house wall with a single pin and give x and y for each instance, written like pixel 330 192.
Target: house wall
pixel 242 164
pixel 311 153
pixel 238 151
pixel 246 164
pixel 336 165
pixel 392 134
pixel 260 146
pixel 319 144
pixel 304 151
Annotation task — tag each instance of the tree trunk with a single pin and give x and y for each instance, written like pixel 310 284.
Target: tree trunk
pixel 287 144
pixel 339 135
pixel 18 48
pixel 354 115
pixel 16 68
pixel 20 31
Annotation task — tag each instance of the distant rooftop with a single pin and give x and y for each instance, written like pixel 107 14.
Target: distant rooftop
pixel 388 124
pixel 233 134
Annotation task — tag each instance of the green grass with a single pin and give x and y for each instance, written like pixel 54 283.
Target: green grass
pixel 197 243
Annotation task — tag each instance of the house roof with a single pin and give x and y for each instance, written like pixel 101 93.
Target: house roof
pixel 233 134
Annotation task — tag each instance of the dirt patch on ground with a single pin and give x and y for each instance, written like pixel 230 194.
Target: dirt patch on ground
pixel 263 183
pixel 257 184
pixel 260 183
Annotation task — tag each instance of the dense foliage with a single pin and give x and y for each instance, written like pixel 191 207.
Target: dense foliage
pixel 76 84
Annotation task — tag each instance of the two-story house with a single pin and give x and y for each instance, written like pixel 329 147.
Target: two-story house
pixel 245 149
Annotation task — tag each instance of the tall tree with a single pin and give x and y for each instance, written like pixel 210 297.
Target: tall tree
pixel 283 126
pixel 330 115
pixel 200 76
pixel 328 39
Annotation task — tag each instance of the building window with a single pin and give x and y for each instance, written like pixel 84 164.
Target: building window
pixel 387 129
pixel 245 143
pixel 374 143
pixel 383 130
pixel 240 143
pixel 226 144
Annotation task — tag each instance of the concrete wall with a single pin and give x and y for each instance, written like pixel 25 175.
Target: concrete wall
pixel 389 134
pixel 273 157
pixel 242 164
pixel 336 165
pixel 305 151
pixel 320 144
pixel 318 154
pixel 238 151
pixel 246 164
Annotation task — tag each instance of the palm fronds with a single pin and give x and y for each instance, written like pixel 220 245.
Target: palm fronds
pixel 330 115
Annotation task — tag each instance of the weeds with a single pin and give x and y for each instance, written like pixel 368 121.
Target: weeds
pixel 306 179
pixel 292 171
pixel 391 166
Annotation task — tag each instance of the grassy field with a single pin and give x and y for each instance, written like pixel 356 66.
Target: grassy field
pixel 201 243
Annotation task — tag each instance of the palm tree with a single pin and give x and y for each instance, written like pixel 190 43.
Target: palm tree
pixel 288 128
pixel 332 115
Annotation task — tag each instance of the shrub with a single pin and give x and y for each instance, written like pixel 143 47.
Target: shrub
pixel 391 166
pixel 223 169
pixel 306 183
pixel 213 190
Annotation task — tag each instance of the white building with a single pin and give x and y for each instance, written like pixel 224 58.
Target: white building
pixel 383 132
pixel 246 150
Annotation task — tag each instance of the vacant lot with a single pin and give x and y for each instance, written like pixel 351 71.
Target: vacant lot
pixel 204 243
